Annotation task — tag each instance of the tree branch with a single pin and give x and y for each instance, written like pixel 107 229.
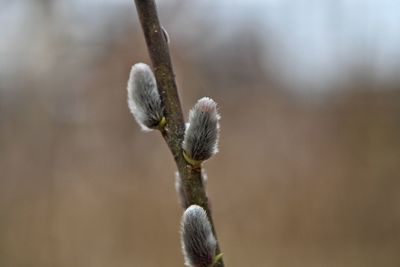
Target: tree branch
pixel 173 133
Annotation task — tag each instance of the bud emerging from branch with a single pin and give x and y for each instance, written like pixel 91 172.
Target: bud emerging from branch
pixel 201 135
pixel 143 98
pixel 198 241
pixel 166 35
pixel 180 189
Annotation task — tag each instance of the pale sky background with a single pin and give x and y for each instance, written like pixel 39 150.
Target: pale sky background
pixel 316 42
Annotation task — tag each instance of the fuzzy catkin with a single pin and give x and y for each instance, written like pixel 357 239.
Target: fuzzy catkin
pixel 180 190
pixel 198 241
pixel 202 133
pixel 143 98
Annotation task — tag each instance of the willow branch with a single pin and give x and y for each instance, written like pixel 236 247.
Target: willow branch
pixel 173 133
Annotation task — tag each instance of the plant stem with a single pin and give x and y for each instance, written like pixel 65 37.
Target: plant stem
pixel 175 128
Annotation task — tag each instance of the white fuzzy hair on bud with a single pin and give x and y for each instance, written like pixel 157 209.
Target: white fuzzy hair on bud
pixel 198 241
pixel 166 35
pixel 204 177
pixel 143 98
pixel 202 133
pixel 180 190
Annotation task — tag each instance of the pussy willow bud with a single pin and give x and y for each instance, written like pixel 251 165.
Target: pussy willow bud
pixel 166 35
pixel 202 132
pixel 204 177
pixel 143 98
pixel 198 241
pixel 180 190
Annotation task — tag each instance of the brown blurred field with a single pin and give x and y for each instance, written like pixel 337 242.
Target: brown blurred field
pixel 301 179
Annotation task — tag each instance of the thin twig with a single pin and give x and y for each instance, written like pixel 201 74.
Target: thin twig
pixel 174 131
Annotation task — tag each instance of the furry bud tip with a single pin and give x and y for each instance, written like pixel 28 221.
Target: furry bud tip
pixel 181 191
pixel 198 241
pixel 201 135
pixel 143 98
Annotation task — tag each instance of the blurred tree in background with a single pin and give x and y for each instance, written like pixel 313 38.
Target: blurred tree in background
pixel 310 99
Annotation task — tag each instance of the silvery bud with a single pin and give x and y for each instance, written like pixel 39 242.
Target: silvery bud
pixel 143 98
pixel 198 241
pixel 202 132
pixel 181 191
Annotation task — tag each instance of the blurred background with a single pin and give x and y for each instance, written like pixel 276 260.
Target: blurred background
pixel 309 162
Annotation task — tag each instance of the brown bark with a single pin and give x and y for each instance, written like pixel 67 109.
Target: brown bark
pixel 174 130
